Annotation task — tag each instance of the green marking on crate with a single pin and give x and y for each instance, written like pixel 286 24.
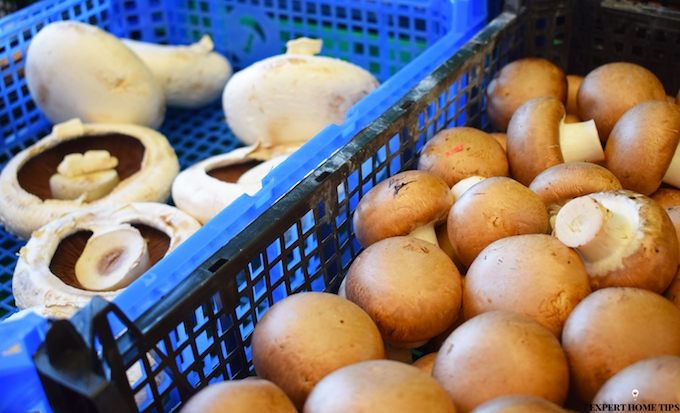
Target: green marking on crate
pixel 374 67
pixel 343 45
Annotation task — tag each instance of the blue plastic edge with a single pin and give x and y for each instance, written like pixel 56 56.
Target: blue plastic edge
pixel 19 340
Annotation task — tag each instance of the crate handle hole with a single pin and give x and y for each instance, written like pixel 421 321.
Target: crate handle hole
pixel 217 265
pixel 407 104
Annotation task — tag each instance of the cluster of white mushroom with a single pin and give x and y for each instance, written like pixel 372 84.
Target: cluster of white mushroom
pixel 72 193
pixel 537 267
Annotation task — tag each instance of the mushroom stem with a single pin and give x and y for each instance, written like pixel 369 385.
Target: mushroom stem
pixel 464 184
pixel 92 175
pixel 580 142
pixel 426 233
pixel 113 257
pixel 304 45
pixel 602 236
pixel 672 176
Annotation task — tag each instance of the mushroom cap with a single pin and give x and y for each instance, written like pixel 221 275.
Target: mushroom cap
pixel 147 166
pixel 492 209
pixel 667 197
pixel 613 328
pixel 268 102
pixel 409 287
pixel 673 290
pixel 305 336
pixel 378 386
pixel 573 83
pixel 105 81
pixel 533 138
pixel 518 403
pixel 609 90
pixel 35 282
pixel 251 395
pixel 642 144
pixel 657 380
pixel 650 259
pixel 457 153
pixel 520 81
pixel 426 362
pixel 207 187
pixel 400 204
pixel 499 353
pixel 532 274
pixel 502 138
pixel 563 182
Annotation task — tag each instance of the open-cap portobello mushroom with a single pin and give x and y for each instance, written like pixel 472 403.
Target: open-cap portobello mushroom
pixel 291 97
pixel 95 251
pixel 145 165
pixel 207 187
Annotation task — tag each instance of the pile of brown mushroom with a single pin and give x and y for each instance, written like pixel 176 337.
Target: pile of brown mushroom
pixel 540 278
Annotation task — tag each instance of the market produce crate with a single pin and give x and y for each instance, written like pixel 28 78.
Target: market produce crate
pixel 199 331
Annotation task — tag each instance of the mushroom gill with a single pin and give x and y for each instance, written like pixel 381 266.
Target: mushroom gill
pixel 34 175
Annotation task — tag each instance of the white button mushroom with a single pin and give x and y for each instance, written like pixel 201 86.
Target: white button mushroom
pixel 191 76
pixel 293 96
pixel 145 162
pixel 76 70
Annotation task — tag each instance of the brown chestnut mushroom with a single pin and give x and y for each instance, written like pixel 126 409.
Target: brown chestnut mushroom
pixel 409 287
pixel 656 379
pixel 145 165
pixel 519 403
pixel 378 386
pixel 673 290
pixel 499 353
pixel 667 197
pixel 538 138
pixel 520 81
pixel 306 336
pixel 494 208
pixel 532 274
pixel 457 153
pixel 625 239
pixel 642 150
pixel 407 203
pixel 609 90
pixel 250 395
pixel 95 251
pixel 613 328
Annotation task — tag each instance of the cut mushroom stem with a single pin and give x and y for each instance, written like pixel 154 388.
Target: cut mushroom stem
pixel 580 142
pixel 91 175
pixel 304 45
pixel 426 233
pixel 113 257
pixel 601 235
pixel 672 176
pixel 464 184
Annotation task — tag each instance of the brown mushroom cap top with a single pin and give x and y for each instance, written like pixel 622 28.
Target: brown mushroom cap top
pixel 608 91
pixel 534 138
pixel 573 83
pixel 673 290
pixel 642 144
pixel 409 287
pixel 251 395
pixel 613 328
pixel 499 353
pixel 426 362
pixel 495 208
pixel 657 380
pixel 519 403
pixel 560 183
pixel 400 204
pixel 532 274
pixel 519 81
pixel 379 386
pixel 666 197
pixel 305 336
pixel 457 153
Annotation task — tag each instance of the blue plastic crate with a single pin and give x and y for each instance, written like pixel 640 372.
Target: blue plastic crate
pixel 383 37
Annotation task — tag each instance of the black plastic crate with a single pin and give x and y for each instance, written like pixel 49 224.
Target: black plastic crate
pixel 201 331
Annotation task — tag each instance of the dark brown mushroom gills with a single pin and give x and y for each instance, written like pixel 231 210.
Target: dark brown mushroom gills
pixel 231 173
pixel 34 175
pixel 71 247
